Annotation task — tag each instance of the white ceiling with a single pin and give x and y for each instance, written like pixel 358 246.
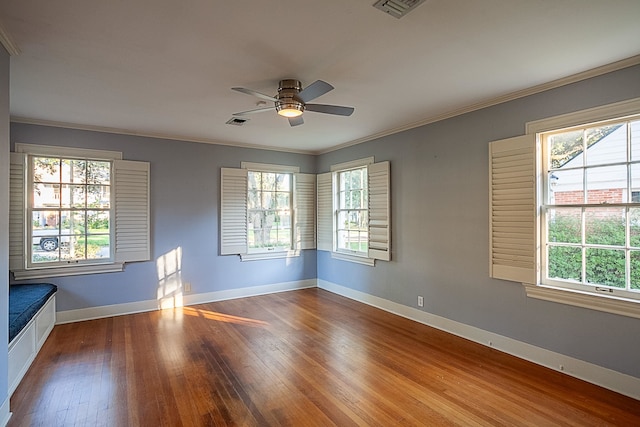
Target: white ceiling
pixel 165 67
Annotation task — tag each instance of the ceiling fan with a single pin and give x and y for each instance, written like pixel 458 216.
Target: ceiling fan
pixel 291 100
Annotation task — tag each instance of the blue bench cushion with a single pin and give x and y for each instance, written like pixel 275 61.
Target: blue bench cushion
pixel 24 303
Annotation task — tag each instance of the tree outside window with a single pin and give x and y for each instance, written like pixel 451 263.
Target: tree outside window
pixel 269 198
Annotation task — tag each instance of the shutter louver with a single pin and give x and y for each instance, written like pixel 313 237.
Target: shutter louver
pixel 512 203
pixel 132 228
pixel 325 211
pixel 16 212
pixel 379 211
pixel 305 210
pixel 233 211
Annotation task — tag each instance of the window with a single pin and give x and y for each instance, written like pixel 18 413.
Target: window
pixel 354 211
pixel 269 197
pixel 75 211
pixel 70 210
pixel 267 211
pixel 564 208
pixel 352 223
pixel 591 224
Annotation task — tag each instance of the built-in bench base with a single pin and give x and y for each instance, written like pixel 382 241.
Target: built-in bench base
pixel 24 347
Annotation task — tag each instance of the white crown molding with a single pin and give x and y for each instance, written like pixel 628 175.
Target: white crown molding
pixel 594 72
pixel 7 42
pixel 598 375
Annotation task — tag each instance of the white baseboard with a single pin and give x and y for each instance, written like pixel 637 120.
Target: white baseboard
pixel 5 415
pixel 604 377
pixel 180 299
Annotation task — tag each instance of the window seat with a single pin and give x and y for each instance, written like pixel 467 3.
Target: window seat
pixel 32 314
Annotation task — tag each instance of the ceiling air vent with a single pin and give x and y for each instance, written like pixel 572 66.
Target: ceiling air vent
pixel 236 121
pixel 397 8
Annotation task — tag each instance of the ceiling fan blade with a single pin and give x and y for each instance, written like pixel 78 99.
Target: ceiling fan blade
pixel 257 110
pixel 329 109
pixel 254 93
pixel 314 90
pixel 296 121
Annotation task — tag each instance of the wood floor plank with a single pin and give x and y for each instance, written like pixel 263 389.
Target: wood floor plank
pixel 300 358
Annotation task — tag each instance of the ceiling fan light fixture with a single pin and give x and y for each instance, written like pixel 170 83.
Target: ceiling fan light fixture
pixel 290 108
pixel 290 112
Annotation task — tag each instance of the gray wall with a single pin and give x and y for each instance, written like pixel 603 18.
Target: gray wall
pixel 185 195
pixel 4 223
pixel 439 180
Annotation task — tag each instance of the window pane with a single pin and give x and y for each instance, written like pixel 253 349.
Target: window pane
pixel 73 196
pixel 605 267
pixel 98 172
pixel 606 184
pixel 268 200
pixel 564 148
pixel 283 201
pixel 564 225
pixel 98 196
pixel 605 226
pixel 46 195
pixel 253 180
pixel 46 169
pixel 283 182
pixel 565 263
pixel 253 199
pixel 635 270
pixel 74 171
pixel 73 223
pixel 634 227
pixel 566 187
pixel 606 144
pixel 634 128
pixel 268 181
pixel 46 220
pixel 97 222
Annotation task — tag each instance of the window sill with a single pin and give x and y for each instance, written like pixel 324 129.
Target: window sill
pixel 608 304
pixel 269 255
pixel 353 258
pixel 76 270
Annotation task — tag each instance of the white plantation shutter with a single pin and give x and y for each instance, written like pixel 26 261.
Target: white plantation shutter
pixel 324 212
pixel 512 203
pixel 132 228
pixel 379 211
pixel 16 211
pixel 233 211
pixel 305 210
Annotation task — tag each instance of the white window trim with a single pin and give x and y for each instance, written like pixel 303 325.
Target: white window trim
pixel 137 249
pixel 359 259
pixel 601 302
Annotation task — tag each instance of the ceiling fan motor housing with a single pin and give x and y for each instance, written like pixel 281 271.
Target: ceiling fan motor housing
pixel 287 96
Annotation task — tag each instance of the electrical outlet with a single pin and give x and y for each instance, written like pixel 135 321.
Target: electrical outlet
pixel 186 287
pixel 420 301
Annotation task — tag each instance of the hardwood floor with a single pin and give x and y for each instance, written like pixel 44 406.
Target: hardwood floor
pixel 300 358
